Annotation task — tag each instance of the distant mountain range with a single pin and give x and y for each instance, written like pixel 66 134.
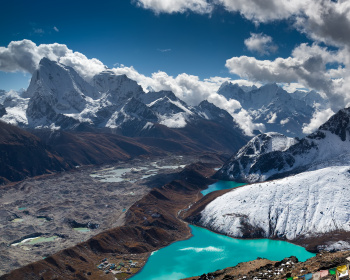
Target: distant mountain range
pixel 109 120
pixel 59 98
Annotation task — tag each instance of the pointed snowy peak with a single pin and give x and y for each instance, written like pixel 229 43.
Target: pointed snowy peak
pixel 266 143
pixel 55 91
pixel 248 88
pixel 59 81
pixel 132 117
pixel 135 108
pixel 268 93
pixel 150 97
pixel 312 98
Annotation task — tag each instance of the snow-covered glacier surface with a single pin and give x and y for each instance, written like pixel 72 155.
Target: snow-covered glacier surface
pixel 307 204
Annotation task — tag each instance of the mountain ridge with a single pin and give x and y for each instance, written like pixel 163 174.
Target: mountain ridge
pixel 306 153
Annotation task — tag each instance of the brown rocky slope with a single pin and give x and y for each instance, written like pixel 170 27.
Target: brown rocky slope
pixel 23 155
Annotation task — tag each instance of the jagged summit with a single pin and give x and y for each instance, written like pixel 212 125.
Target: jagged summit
pixel 329 145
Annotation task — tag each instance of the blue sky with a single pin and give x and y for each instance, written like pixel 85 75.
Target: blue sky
pixel 122 32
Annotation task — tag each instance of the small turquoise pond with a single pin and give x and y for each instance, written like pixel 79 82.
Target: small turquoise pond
pixel 221 185
pixel 207 251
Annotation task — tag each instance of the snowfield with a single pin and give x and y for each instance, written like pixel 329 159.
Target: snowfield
pixel 307 204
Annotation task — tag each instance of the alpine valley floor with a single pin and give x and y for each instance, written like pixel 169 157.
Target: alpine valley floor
pixel 43 215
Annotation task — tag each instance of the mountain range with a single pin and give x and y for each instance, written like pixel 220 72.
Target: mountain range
pixel 58 98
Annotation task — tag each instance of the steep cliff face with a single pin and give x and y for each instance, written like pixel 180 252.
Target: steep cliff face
pixel 23 155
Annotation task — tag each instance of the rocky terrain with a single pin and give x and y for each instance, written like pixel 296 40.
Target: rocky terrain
pixel 149 224
pixel 289 267
pixel 43 151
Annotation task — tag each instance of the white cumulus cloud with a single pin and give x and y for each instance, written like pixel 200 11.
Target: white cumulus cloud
pixel 260 43
pixel 176 6
pixel 308 66
pixel 317 120
pixel 263 11
pixel 25 56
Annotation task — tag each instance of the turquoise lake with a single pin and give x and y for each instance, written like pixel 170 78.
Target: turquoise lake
pixel 207 251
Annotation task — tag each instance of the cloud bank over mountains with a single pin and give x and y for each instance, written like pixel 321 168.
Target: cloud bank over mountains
pixel 25 56
pixel 323 65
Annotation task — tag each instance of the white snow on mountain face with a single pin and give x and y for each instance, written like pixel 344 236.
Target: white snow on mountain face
pixel 274 107
pixel 58 96
pixel 266 143
pixel 312 98
pixel 307 204
pixel 242 166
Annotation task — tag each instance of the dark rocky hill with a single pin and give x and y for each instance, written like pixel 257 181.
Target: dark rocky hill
pixel 22 155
